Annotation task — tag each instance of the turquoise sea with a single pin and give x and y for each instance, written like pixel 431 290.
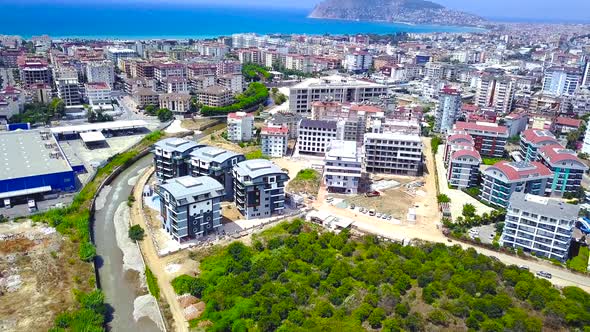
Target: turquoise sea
pixel 133 21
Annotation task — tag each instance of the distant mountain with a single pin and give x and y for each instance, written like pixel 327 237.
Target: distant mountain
pixel 406 11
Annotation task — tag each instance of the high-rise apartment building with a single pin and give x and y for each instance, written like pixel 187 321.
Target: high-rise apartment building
pixel 342 167
pixel 190 207
pixel 449 107
pixel 389 153
pixel 332 88
pixel 561 80
pixel 539 225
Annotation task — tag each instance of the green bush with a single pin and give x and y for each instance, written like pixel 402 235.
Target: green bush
pixel 186 284
pixel 152 283
pixel 257 93
pixel 434 143
pixel 442 198
pixel 136 233
pixel 87 251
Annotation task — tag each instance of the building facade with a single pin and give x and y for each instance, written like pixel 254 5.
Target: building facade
pixel 568 170
pixel 315 135
pixel 532 140
pixel 332 88
pixel 240 127
pixel 342 167
pixel 504 178
pixel 489 138
pixel 463 169
pixel 449 107
pixel 259 187
pixel 539 225
pixel 216 163
pixel 190 207
pixel 390 153
pixel 172 156
pixel 274 141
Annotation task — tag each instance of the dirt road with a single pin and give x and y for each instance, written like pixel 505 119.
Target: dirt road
pixel 155 263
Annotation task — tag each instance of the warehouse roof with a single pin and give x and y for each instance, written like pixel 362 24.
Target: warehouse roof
pixel 112 125
pixel 30 153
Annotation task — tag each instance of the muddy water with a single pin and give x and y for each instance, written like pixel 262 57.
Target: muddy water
pixel 120 284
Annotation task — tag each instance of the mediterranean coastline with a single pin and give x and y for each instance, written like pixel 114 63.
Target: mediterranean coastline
pixel 177 22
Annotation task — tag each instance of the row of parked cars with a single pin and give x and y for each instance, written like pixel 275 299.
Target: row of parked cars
pixel 371 212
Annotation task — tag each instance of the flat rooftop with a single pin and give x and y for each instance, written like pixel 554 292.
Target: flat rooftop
pixel 342 149
pixel 335 81
pixel 544 206
pixel 112 125
pixel 29 153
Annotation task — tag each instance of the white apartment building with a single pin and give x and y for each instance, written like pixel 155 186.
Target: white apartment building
pixel 177 84
pixel 561 81
pixel 215 96
pixel 100 71
pixel 495 92
pixel 68 90
pixel 232 81
pixel 240 126
pixel 332 88
pixel 342 167
pixel 315 135
pixel 539 225
pixel 390 153
pixel 115 54
pixel 449 106
pixel 358 62
pixel 298 62
pixel 98 93
pixel 201 82
pixel 178 103
pixel 274 141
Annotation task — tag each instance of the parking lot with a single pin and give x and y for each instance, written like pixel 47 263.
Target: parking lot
pixel 485 233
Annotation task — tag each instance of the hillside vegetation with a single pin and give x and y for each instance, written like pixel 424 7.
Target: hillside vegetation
pixel 297 278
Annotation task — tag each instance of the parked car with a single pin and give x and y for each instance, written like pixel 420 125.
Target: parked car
pixel 372 212
pixel 389 217
pixel 373 194
pixel 544 274
pixel 523 267
pixel 378 215
pixel 384 216
pixel 352 206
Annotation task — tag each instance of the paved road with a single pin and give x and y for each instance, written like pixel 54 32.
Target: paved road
pixel 119 290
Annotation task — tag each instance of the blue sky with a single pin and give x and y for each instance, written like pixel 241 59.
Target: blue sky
pixel 573 10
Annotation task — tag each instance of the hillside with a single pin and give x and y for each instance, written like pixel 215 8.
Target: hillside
pixel 407 11
pixel 297 278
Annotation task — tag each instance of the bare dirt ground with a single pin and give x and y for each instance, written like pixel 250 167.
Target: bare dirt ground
pixel 394 202
pixel 197 123
pixel 427 222
pixel 37 277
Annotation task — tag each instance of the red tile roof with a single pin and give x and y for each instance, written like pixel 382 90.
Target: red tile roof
pixel 241 115
pixel 456 137
pixel 274 130
pixel 466 153
pixel 470 126
pixel 522 170
pixel 568 122
pixel 557 153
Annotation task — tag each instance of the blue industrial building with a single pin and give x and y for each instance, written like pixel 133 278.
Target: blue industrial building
pixel 32 165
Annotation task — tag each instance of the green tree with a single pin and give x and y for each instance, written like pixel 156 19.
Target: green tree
pixel 164 114
pixel 376 317
pixel 136 233
pixel 468 210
